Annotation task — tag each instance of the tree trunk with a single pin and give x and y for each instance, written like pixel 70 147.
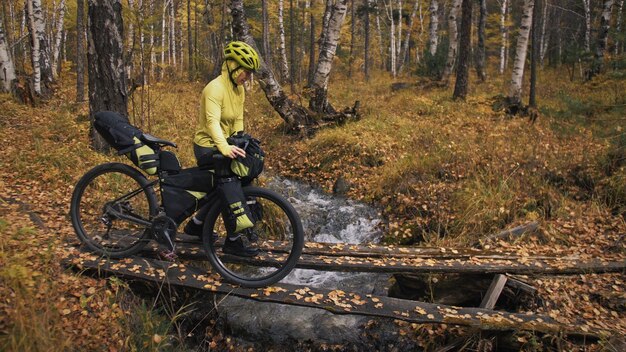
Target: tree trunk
pixel 433 27
pixel 515 90
pixel 292 48
pixel 57 40
pixel 7 68
pixel 352 31
pixel 543 46
pixel 392 40
pixel 366 50
pixel 453 39
pixel 267 51
pixel 311 52
pixel 603 35
pixel 163 41
pixel 481 52
pixel 284 66
pixel 190 55
pixel 173 51
pixel 534 58
pixel 587 8
pixel 620 10
pixel 42 66
pixel 80 50
pixel 461 86
pixel 504 31
pixel 404 50
pixel 107 78
pixel 318 102
pixel 399 36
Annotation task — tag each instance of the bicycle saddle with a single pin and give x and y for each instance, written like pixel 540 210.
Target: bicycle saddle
pixel 148 138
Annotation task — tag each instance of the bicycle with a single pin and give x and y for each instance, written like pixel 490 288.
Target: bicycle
pixel 116 210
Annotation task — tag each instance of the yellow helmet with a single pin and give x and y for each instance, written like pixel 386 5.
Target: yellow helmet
pixel 243 54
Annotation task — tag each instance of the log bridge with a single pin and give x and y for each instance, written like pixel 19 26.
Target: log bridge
pixel 373 258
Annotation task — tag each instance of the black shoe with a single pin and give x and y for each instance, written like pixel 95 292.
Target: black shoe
pixel 193 229
pixel 253 237
pixel 240 247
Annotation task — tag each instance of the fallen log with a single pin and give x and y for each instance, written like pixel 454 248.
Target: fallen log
pixel 335 301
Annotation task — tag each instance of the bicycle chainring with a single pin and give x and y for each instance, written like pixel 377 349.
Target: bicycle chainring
pixel 164 230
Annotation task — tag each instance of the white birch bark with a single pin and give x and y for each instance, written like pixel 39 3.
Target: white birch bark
pixel 504 31
pixel 453 42
pixel 603 33
pixel 399 43
pixel 34 52
pixel 58 37
pixel 515 90
pixel 433 27
pixel 587 8
pixel 404 49
pixel 173 51
pixel 282 48
pixel 619 25
pixel 163 38
pixel 328 49
pixel 7 68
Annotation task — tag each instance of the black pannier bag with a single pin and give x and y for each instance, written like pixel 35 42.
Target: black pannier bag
pixel 251 166
pixel 237 217
pixel 182 192
pixel 125 138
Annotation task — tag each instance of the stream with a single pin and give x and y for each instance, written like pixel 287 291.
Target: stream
pixel 325 218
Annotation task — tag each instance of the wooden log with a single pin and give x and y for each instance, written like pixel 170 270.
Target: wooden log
pixel 477 264
pixel 493 293
pixel 335 301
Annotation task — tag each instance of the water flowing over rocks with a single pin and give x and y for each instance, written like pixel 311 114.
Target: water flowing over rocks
pixel 325 219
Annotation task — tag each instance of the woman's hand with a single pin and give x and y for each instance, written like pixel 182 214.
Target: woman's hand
pixel 236 152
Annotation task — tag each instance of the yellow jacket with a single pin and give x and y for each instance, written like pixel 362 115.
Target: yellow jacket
pixel 221 111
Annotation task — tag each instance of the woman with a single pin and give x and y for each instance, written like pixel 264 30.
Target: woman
pixel 221 115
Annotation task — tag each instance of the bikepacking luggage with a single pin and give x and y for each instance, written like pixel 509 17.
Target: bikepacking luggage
pixel 251 166
pixel 182 192
pixel 125 138
pixel 238 217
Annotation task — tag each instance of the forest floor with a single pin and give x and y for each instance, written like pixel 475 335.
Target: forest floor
pixel 442 173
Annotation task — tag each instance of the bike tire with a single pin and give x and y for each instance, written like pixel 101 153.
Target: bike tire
pixel 102 188
pixel 280 241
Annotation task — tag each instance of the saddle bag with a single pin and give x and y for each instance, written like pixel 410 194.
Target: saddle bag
pixel 126 139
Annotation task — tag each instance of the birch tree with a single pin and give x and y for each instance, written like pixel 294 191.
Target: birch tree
pixel 40 51
pixel 404 49
pixel 284 65
pixel 620 11
pixel 504 32
pixel 603 36
pixel 452 39
pixel 7 68
pixel 433 27
pixel 319 101
pixel 267 51
pixel 515 87
pixel 57 38
pixel 107 78
pixel 366 50
pixel 392 38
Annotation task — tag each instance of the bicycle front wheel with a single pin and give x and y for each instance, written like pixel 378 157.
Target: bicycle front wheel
pixel 277 233
pixel 111 209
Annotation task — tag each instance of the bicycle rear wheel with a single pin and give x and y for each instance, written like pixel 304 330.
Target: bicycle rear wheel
pixel 111 209
pixel 279 234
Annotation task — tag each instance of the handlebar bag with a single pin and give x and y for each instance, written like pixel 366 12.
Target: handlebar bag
pixel 125 138
pixel 251 166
